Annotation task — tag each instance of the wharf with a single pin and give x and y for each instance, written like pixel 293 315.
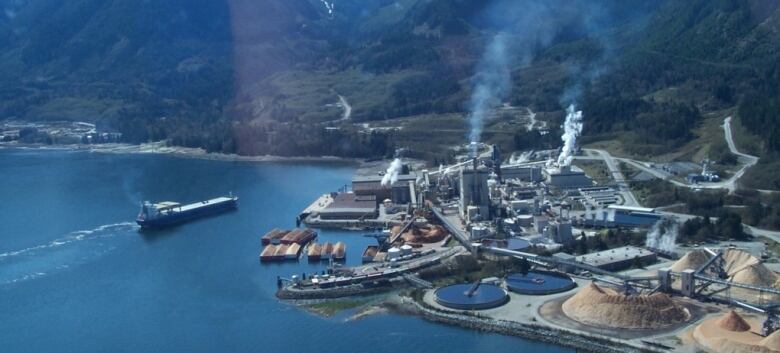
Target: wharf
pixel 318 205
pixel 358 284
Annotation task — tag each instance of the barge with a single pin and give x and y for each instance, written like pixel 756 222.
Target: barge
pixel 314 251
pixel 327 251
pixel 339 252
pixel 299 236
pixel 278 236
pixel 168 213
pixel 370 253
pixel 274 236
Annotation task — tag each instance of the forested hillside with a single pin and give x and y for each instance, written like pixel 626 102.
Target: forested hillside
pixel 263 77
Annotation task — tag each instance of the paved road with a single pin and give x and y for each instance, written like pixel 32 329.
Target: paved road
pixel 620 179
pixel 347 108
pixel 746 160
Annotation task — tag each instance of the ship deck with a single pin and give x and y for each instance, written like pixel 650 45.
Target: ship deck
pixel 200 204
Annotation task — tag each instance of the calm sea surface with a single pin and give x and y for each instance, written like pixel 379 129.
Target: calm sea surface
pixel 76 275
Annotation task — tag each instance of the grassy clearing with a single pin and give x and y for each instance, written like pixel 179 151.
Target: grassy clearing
pixel 708 134
pixel 745 141
pixel 771 245
pixel 329 308
pixel 596 170
pixel 75 109
pixel 310 95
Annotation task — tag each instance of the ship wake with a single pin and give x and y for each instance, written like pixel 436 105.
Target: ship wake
pixel 73 249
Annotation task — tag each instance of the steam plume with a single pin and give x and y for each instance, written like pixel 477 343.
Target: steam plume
pixel 391 175
pixel 572 128
pixel 662 236
pixel 491 86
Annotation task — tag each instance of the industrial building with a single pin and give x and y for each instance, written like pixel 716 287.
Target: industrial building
pixel 398 192
pixel 599 195
pixel 474 191
pixel 559 231
pixel 523 173
pixel 618 259
pixel 621 216
pixel 349 205
pixel 567 177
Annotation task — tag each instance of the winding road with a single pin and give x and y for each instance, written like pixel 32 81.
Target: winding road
pixel 747 160
pixel 347 108
pixel 730 184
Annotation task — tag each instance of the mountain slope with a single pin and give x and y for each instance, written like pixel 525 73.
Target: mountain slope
pixel 240 75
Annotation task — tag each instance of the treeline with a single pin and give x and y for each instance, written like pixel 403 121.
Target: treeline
pixel 246 138
pixel 759 110
pixel 646 128
pixel 702 229
pixel 753 207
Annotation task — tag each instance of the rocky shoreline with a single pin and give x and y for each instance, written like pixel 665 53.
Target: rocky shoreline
pixel 585 343
pixel 338 292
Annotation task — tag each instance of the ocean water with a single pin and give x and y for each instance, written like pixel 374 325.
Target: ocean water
pixel 77 276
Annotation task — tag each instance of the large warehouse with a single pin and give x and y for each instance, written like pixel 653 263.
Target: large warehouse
pixel 618 259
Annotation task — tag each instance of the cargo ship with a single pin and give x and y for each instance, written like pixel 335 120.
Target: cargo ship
pixel 168 213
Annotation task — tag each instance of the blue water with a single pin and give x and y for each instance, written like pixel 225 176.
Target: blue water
pixel 76 276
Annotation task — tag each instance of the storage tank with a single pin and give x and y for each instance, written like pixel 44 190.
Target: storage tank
pixel 393 253
pixel 539 283
pixel 525 220
pixel 471 296
pixel 406 249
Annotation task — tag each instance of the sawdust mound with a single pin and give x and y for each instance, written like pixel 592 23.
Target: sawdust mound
pixel 733 322
pixel 758 275
pixel 692 260
pixel 737 260
pixel 422 235
pixel 712 334
pixel 772 341
pixel 604 307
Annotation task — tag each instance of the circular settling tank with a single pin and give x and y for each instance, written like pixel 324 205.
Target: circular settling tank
pixel 539 283
pixel 468 296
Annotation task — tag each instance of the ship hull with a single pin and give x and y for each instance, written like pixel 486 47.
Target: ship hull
pixel 180 217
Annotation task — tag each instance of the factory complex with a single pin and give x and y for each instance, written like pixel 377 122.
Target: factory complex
pixel 510 241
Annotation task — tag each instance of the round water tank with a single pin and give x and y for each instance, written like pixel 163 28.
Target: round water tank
pixel 525 220
pixel 393 253
pixel 469 296
pixel 406 250
pixel 539 283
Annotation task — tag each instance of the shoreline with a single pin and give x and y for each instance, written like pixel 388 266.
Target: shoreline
pixel 182 152
pixel 529 331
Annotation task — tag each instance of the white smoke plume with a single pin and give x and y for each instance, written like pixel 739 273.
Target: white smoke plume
pixel 662 236
pixel 520 158
pixel 391 175
pixel 572 128
pixel 490 87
